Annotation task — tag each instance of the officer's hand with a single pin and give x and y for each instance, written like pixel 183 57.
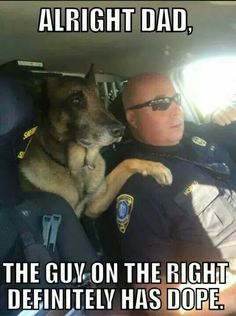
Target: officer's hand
pixel 224 116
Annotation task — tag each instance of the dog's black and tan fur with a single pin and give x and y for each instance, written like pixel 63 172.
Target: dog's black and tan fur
pixel 64 156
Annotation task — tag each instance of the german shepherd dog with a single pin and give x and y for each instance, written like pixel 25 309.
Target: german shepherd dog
pixel 64 155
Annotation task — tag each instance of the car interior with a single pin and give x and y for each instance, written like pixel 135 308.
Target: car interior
pixel 202 64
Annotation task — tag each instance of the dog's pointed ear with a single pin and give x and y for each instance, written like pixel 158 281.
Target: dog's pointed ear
pixel 90 76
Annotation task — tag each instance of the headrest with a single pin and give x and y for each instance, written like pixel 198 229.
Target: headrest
pixel 16 110
pixel 17 124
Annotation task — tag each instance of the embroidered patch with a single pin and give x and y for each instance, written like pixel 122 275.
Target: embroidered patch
pixel 26 140
pixel 188 190
pixel 124 206
pixel 199 141
pixel 30 132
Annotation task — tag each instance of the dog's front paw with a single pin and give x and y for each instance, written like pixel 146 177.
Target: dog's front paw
pixel 160 173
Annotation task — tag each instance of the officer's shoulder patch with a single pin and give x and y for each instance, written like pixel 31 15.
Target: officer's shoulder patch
pixel 199 141
pixel 124 206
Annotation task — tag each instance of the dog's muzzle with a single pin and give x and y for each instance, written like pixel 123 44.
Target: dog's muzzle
pixel 117 130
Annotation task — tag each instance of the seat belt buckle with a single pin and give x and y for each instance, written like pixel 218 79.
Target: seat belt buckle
pixel 55 224
pixel 51 224
pixel 46 229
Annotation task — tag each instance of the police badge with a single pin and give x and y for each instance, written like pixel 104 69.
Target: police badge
pixel 199 141
pixel 124 206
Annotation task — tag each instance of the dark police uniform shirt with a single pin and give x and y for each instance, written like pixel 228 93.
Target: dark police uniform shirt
pixel 195 217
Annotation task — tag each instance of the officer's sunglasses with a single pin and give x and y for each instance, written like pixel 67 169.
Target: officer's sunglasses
pixel 158 104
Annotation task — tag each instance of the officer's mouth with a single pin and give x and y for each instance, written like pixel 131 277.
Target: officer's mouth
pixel 176 126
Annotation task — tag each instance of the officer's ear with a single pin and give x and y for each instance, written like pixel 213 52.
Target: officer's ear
pixel 131 118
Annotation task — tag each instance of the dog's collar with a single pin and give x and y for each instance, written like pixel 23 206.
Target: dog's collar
pixel 52 157
pixel 88 165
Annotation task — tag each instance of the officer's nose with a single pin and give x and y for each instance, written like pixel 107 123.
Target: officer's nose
pixel 175 107
pixel 176 110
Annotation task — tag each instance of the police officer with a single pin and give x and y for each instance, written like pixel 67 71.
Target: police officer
pixel 194 219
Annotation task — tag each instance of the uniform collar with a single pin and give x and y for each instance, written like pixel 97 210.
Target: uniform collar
pixel 134 149
pixel 161 151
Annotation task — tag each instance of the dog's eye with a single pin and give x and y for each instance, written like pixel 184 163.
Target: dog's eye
pixel 76 100
pixel 77 97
